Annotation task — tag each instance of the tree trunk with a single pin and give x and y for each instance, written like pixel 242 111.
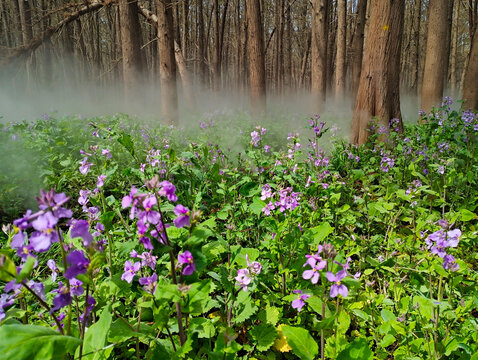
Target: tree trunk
pixel 415 49
pixel 470 88
pixel 167 63
pixel 435 57
pixel 131 40
pixel 256 57
pixel 454 50
pixel 201 45
pixel 185 33
pixel 378 92
pixel 186 80
pixel 357 45
pixel 216 66
pixel 26 19
pixel 341 43
pixel 319 54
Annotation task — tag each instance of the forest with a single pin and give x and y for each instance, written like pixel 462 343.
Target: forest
pixel 239 179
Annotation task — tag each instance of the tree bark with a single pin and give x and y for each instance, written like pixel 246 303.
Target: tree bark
pixel 319 54
pixel 131 40
pixel 357 45
pixel 435 56
pixel 470 88
pixel 378 93
pixel 454 50
pixel 167 63
pixel 341 44
pixel 256 57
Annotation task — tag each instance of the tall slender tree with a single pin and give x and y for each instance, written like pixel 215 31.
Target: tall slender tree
pixel 378 93
pixel 470 89
pixel 436 54
pixel 319 53
pixel 256 57
pixel 167 65
pixel 341 46
pixel 131 40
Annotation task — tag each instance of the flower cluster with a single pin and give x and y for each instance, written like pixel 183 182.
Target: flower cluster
pixel 245 276
pixel 288 200
pixel 256 135
pixel 438 241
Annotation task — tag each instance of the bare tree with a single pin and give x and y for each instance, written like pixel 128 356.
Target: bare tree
pixel 341 46
pixel 131 40
pixel 319 53
pixel 256 57
pixel 470 88
pixel 167 63
pixel 378 93
pixel 436 55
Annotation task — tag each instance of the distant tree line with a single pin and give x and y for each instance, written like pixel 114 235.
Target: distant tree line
pixel 370 50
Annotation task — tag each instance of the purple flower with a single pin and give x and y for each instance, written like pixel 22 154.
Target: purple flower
pixel 25 252
pixel 149 215
pixel 107 153
pixel 167 189
pixel 187 258
pixel 81 228
pixel 84 197
pixel 130 271
pixel 18 240
pixel 268 208
pixel 337 288
pixel 62 299
pixel 449 263
pixel 300 301
pixel 46 234
pixel 317 264
pixel 101 181
pixel 76 287
pixel 91 304
pixel 147 258
pixel 254 267
pixel 441 170
pixel 243 279
pixel 38 288
pixel 183 216
pixel 387 163
pixel 5 301
pixel 54 269
pixel 255 138
pixel 149 283
pixel 85 166
pixel 79 264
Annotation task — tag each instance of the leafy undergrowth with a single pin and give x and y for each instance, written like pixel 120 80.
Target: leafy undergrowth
pixel 156 243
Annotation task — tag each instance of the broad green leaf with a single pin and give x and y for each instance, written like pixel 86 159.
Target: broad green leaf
pixel 343 322
pixel 127 142
pixel 467 215
pixel 264 336
pixel 387 340
pixel 321 232
pixel 245 309
pixel 27 269
pixel 203 327
pixel 357 350
pixel 387 315
pixel 107 219
pixel 96 335
pixel 270 315
pixel 31 342
pixel 302 343
pixel 197 298
pixel 257 205
pixel 7 268
pixel 424 306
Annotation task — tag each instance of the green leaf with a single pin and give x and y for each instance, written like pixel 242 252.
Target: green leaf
pixel 7 268
pixel 96 335
pixel 107 219
pixel 31 342
pixel 321 232
pixel 257 205
pixel 27 269
pixel 424 306
pixel 467 215
pixel 203 327
pixel 387 315
pixel 264 336
pixel 357 350
pixel 387 340
pixel 127 142
pixel 343 322
pixel 197 297
pixel 270 315
pixel 301 342
pixel 245 309
pixel 167 292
